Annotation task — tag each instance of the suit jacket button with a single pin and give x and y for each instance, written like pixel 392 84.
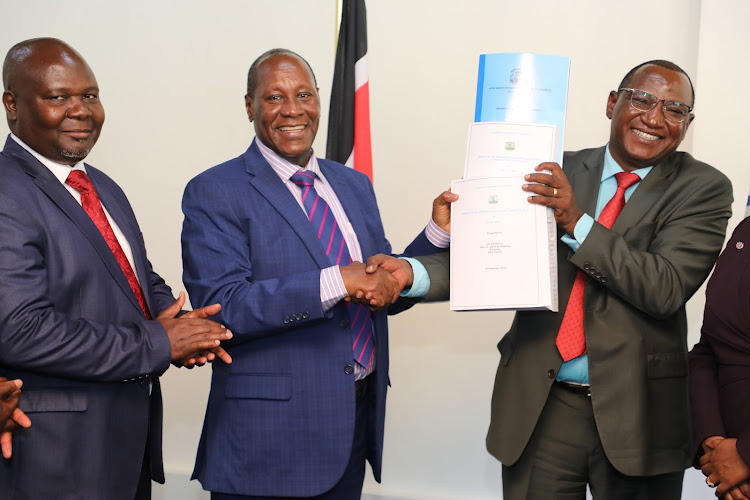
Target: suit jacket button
pixel 551 373
pixel 344 322
pixel 603 279
pixel 305 315
pixel 286 320
pixel 586 266
pixel 597 275
pixel 299 316
pixel 592 271
pixel 348 369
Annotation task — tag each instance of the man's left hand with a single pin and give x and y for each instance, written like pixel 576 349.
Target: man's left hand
pixel 554 190
pixel 202 358
pixel 441 210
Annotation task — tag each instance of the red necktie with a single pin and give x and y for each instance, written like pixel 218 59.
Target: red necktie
pixel 319 213
pixel 571 341
pixel 79 181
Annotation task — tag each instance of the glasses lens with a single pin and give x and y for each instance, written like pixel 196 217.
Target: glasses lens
pixel 643 101
pixel 675 112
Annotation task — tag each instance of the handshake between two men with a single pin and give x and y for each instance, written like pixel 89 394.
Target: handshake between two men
pixel 379 282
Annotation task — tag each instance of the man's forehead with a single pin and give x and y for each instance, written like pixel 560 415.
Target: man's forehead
pixel 659 75
pixel 283 62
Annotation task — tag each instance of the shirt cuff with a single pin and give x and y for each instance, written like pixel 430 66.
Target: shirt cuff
pixel 421 284
pixel 332 288
pixel 580 232
pixel 436 236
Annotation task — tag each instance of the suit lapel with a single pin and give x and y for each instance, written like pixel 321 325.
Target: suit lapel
pixel 585 178
pixel 648 192
pixel 268 184
pixel 55 191
pixel 123 219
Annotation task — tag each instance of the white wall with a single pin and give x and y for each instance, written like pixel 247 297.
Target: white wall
pixel 172 75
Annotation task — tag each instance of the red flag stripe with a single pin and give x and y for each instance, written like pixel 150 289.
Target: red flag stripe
pixel 362 151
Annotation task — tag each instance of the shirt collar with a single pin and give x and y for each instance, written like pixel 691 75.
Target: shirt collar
pixel 284 168
pixel 611 167
pixel 59 170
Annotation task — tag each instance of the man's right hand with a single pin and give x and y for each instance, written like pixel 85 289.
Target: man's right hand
pixel 399 268
pixel 191 335
pixel 376 289
pixel 10 415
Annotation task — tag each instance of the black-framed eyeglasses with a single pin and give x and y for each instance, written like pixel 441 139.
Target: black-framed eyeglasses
pixel 643 101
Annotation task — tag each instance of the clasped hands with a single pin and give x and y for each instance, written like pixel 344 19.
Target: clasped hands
pixel 379 282
pixel 725 469
pixel 194 339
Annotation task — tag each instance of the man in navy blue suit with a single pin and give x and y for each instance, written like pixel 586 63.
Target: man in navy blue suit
pixel 301 408
pixel 78 297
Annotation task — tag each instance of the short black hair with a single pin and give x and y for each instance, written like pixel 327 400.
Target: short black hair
pixel 663 64
pixel 252 74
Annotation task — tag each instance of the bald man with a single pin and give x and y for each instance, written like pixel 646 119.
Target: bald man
pixel 84 320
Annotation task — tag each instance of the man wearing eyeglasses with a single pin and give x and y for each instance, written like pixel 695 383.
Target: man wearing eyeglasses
pixel 596 394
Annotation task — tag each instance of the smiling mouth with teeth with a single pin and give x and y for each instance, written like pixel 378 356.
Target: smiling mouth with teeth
pixel 645 135
pixel 292 129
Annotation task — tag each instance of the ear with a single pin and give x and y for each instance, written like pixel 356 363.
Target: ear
pixel 9 103
pixel 690 120
pixel 687 124
pixel 249 107
pixel 611 101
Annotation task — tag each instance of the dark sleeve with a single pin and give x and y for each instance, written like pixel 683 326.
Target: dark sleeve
pixel 704 395
pixel 437 266
pixel 659 271
pixel 36 335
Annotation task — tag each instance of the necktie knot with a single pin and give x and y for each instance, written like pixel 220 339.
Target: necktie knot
pixel 303 178
pixel 78 180
pixel 626 179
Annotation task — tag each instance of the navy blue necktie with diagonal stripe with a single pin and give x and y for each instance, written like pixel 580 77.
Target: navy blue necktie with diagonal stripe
pixel 330 235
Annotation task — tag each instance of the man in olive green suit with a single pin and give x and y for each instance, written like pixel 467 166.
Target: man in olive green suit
pixel 615 416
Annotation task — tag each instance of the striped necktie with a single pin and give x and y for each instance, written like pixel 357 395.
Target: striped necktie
pixel 330 235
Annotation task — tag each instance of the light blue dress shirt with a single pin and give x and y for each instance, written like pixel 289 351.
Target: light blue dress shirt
pixel 577 369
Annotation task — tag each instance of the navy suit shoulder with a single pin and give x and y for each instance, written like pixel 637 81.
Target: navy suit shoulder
pixel 71 330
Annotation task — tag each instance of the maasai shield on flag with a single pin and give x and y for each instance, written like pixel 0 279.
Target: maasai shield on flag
pixel 349 117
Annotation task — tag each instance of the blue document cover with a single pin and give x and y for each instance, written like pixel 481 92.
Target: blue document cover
pixel 523 88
